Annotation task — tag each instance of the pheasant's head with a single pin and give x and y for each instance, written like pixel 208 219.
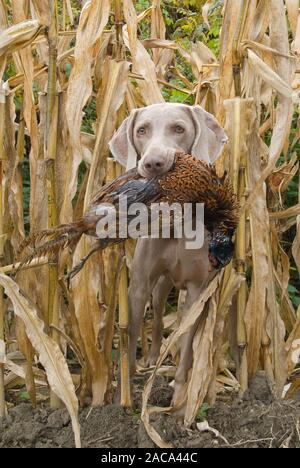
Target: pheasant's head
pixel 221 250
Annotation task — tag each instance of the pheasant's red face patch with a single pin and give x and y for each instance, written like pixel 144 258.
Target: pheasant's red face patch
pixel 213 261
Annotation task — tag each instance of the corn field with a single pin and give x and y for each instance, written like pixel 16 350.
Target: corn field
pixel 71 71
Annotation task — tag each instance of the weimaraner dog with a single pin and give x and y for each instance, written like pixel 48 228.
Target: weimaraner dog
pixel 150 137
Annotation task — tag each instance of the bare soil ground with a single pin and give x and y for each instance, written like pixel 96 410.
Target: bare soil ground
pixel 257 420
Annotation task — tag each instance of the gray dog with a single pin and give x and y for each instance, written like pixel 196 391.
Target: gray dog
pixel 150 138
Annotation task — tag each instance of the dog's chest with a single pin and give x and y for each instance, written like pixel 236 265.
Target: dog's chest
pixel 184 266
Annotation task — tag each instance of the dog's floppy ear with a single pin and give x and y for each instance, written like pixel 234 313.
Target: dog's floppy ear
pixel 121 145
pixel 210 136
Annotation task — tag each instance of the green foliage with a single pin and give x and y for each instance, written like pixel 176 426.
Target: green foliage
pixel 142 5
pixel 76 8
pixel 25 396
pixel 202 412
pixel 90 116
pixel 294 295
pixel 185 23
pixel 10 70
pixel 173 95
pixel 136 416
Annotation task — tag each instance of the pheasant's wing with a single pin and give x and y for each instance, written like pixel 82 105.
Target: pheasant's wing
pixel 132 185
pixel 109 188
pixel 137 191
pixel 143 191
pixel 114 202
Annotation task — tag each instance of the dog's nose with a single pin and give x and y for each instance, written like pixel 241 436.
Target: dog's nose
pixel 154 165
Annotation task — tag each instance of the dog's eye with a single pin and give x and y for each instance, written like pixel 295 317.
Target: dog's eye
pixel 179 129
pixel 141 131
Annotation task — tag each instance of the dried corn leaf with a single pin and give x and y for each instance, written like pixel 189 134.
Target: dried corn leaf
pixel 3 16
pixel 19 36
pixel 202 361
pixel 230 23
pixel 292 7
pixel 292 344
pixel 110 97
pixel 275 330
pixel 37 279
pixel 270 76
pixel 93 19
pixel 85 294
pixel 142 63
pixel 249 143
pixel 13 179
pixel 43 10
pixel 131 20
pixel 288 213
pixel 255 314
pixel 86 286
pixel 296 44
pixel 158 28
pixel 296 243
pixel 3 26
pixel 205 9
pixel 160 43
pixel 280 135
pixel 208 351
pixel 21 372
pixel 50 355
pixel 266 51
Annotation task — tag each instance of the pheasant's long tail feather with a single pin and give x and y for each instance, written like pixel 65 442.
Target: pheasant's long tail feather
pixel 50 242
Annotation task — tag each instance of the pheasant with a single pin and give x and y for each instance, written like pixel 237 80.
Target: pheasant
pixel 189 181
